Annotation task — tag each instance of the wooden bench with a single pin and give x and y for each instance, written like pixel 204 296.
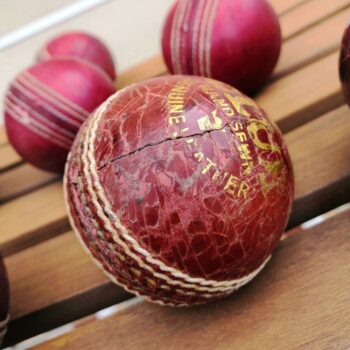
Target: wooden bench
pixel 301 300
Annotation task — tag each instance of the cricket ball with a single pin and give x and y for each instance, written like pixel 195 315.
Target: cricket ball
pixel 180 188
pixel 4 300
pixel 46 104
pixel 234 41
pixel 82 45
pixel 344 65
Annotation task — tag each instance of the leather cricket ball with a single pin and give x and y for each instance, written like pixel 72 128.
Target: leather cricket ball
pixel 79 44
pixel 4 300
pixel 234 41
pixel 46 104
pixel 180 188
pixel 344 65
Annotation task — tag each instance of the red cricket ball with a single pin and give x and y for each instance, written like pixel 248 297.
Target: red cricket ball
pixel 234 41
pixel 344 65
pixel 180 187
pixel 4 300
pixel 82 45
pixel 46 104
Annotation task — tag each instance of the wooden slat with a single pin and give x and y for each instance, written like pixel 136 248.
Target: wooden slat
pixel 151 68
pixel 283 6
pixel 291 101
pixel 32 218
pixel 303 95
pixel 3 137
pixel 324 154
pixel 37 274
pixel 300 301
pixel 312 12
pixel 312 44
pixel 286 113
pixel 9 158
pixel 21 180
pixel 320 156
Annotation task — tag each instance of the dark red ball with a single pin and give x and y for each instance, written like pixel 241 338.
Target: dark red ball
pixel 4 300
pixel 180 187
pixel 79 44
pixel 46 104
pixel 234 41
pixel 344 65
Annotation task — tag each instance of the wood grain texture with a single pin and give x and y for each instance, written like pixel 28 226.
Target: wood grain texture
pixel 151 68
pixel 304 95
pixel 53 282
pixel 9 158
pixel 320 156
pixel 283 6
pixel 300 301
pixel 299 18
pixel 36 275
pixel 320 162
pixel 312 44
pixel 32 218
pixel 23 179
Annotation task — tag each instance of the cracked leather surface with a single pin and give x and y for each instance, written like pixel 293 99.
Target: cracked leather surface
pixel 183 190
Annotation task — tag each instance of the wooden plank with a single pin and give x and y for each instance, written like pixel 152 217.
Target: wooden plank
pixel 3 137
pixel 300 301
pixel 153 67
pixel 312 44
pixel 291 101
pixel 23 179
pixel 288 115
pixel 32 218
pixel 60 281
pixel 283 6
pixel 299 18
pixel 303 95
pixel 9 158
pixel 320 156
pixel 314 195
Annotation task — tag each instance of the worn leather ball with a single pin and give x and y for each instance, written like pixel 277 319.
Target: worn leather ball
pixel 46 104
pixel 234 41
pixel 180 188
pixel 82 45
pixel 4 300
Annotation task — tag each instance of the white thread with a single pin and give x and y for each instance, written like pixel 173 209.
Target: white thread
pixel 203 29
pixel 209 32
pixel 80 112
pixel 195 36
pixel 43 118
pixel 25 91
pixel 29 125
pixel 214 285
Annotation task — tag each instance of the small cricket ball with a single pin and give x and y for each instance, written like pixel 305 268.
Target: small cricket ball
pixel 4 300
pixel 82 45
pixel 180 188
pixel 234 41
pixel 344 65
pixel 46 104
